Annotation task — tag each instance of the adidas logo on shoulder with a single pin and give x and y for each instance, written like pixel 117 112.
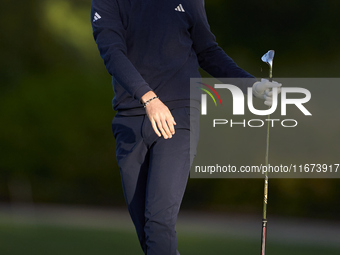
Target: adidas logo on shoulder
pixel 96 17
pixel 179 8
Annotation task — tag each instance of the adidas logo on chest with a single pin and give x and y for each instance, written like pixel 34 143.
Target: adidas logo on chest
pixel 179 8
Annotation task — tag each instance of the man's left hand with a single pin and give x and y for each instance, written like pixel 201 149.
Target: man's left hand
pixel 264 90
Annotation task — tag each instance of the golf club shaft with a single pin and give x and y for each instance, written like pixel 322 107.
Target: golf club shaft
pixel 265 197
pixel 265 200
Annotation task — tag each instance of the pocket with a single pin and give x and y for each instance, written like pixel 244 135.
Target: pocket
pixel 181 117
pixel 194 116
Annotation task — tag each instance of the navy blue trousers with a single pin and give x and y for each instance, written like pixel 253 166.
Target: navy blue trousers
pixel 154 173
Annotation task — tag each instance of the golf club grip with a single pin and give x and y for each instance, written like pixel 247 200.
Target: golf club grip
pixel 264 237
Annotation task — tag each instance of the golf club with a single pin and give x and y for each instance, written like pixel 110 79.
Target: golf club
pixel 267 58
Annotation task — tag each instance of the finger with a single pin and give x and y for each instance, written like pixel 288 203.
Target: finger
pixel 273 84
pixel 166 128
pixel 171 127
pixel 270 92
pixel 173 120
pixel 161 129
pixel 276 85
pixel 171 124
pixel 268 98
pixel 269 103
pixel 154 126
pixel 267 92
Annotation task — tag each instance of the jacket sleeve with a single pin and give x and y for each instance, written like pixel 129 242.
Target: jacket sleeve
pixel 109 34
pixel 210 56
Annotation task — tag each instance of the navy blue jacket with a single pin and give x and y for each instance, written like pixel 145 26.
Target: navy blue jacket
pixel 157 45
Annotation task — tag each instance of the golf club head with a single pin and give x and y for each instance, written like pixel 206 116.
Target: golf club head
pixel 268 58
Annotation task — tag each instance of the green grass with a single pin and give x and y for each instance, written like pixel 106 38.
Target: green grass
pixel 31 239
pixel 199 245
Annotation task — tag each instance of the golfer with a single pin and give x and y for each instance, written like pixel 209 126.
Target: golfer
pixel 152 48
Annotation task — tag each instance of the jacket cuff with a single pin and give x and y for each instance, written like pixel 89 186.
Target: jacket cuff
pixel 141 91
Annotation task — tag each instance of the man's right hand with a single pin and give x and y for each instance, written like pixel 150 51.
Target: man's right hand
pixel 159 115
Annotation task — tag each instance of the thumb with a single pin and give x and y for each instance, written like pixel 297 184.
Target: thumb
pixel 272 84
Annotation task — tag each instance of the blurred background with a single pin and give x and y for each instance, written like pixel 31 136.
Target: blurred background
pixel 56 145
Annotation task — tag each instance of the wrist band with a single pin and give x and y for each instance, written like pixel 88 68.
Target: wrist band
pixel 148 101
